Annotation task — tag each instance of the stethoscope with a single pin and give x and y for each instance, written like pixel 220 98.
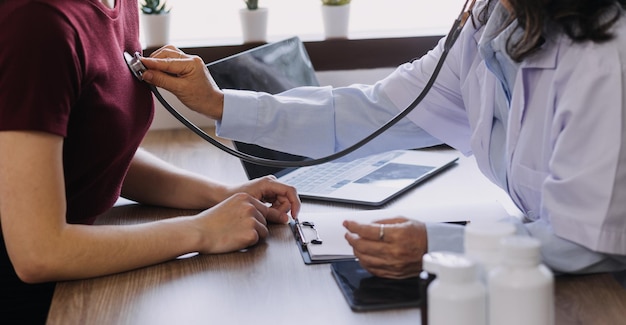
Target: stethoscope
pixel 137 68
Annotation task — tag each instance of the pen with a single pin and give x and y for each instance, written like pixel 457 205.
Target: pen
pixel 462 223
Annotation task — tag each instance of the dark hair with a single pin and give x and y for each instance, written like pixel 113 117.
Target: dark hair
pixel 580 20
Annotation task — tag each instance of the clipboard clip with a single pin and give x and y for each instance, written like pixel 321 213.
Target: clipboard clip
pixel 300 233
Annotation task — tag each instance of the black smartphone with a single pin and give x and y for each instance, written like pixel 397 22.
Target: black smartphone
pixel 364 291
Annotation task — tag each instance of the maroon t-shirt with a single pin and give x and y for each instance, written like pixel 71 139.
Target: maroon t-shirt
pixel 62 71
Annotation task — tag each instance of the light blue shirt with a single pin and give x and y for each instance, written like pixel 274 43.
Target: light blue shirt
pixel 492 48
pixel 562 131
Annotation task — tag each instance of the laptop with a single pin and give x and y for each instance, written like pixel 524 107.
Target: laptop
pixel 369 181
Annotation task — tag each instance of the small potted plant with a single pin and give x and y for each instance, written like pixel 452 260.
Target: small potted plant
pixel 155 21
pixel 253 22
pixel 336 17
pixel 252 4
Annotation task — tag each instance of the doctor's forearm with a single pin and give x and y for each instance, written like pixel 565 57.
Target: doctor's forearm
pixel 317 121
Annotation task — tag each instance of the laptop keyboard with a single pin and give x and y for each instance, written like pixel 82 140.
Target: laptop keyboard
pixel 328 177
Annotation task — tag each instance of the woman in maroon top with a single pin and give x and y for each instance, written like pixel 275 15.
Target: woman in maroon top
pixel 72 117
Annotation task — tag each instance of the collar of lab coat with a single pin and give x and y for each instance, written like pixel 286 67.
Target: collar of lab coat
pixel 545 58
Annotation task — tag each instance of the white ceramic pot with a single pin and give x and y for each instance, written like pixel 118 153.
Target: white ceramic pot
pixel 155 29
pixel 336 21
pixel 254 24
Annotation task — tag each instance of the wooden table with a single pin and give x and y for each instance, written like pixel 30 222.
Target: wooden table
pixel 269 283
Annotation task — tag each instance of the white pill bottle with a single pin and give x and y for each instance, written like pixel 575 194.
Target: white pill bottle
pixel 456 296
pixel 482 244
pixel 521 289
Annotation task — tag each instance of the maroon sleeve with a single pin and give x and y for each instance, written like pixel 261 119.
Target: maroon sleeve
pixel 39 69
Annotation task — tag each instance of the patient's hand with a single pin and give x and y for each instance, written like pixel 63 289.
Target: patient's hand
pixel 281 197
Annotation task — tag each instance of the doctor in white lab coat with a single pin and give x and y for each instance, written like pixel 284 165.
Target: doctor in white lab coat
pixel 548 127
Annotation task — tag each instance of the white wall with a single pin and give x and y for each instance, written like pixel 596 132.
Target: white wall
pixel 163 120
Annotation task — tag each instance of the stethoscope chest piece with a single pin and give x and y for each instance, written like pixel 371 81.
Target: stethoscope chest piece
pixel 135 65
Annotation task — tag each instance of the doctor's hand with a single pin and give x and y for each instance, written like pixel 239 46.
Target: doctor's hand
pixel 187 77
pixel 281 198
pixel 390 248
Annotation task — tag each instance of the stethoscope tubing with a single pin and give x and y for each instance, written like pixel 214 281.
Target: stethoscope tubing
pixel 450 40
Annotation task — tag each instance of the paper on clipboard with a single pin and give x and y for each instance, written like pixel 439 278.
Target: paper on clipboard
pixel 328 228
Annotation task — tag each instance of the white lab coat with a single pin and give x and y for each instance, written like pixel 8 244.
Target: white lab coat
pixel 566 152
pixel 565 138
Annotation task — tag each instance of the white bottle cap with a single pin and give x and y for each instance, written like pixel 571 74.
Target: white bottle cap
pixel 520 250
pixel 431 261
pixel 485 236
pixel 450 266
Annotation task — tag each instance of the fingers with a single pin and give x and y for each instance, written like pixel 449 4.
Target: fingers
pixel 372 231
pixel 260 210
pixel 365 231
pixel 262 232
pixel 389 248
pixel 277 213
pixel 187 77
pixel 160 74
pixel 234 224
pixel 168 64
pixel 169 60
pixel 386 268
pixel 377 257
pixel 283 198
pixel 363 246
pixel 166 51
pixel 253 218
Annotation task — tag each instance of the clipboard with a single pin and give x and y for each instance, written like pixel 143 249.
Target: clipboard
pixel 303 243
pixel 320 236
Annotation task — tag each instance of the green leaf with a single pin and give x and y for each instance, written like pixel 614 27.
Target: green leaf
pixel 335 2
pixel 252 4
pixel 154 7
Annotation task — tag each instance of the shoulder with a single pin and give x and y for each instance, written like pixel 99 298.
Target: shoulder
pixel 582 62
pixel 44 32
pixel 35 21
pixel 46 14
pixel 609 55
pixel 44 46
pixel 567 53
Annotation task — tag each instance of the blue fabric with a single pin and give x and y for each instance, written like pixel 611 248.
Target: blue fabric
pixel 492 48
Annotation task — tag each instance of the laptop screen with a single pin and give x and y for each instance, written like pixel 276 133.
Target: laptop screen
pixel 271 68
